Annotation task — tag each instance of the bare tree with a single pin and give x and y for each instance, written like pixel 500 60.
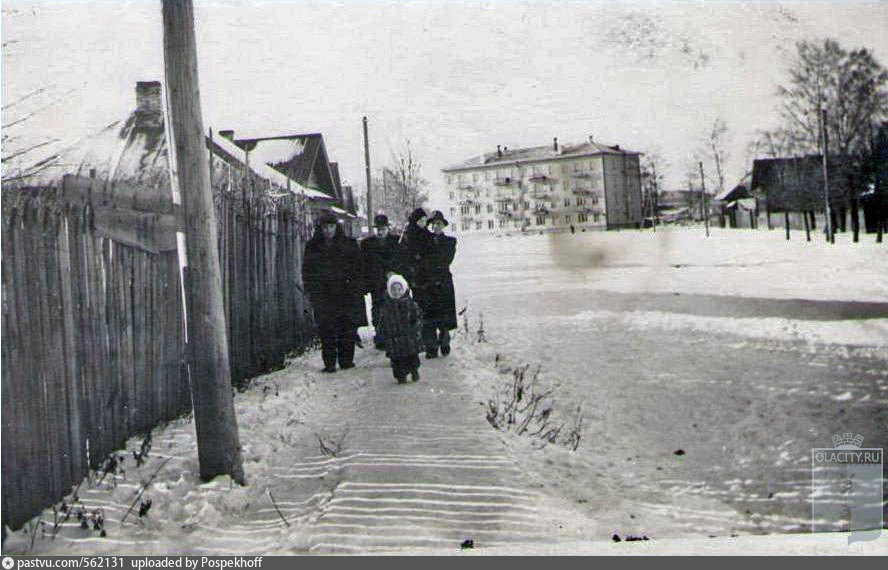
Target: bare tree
pixel 715 152
pixel 851 87
pixel 27 151
pixel 402 187
pixel 653 166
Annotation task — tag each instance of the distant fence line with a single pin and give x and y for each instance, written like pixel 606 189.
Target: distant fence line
pixel 93 341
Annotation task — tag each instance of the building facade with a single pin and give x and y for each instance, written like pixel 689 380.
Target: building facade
pixel 550 188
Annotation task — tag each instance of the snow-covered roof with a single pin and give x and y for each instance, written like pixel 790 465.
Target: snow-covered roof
pixel 737 191
pixel 267 172
pixel 277 151
pixel 538 153
pixel 743 204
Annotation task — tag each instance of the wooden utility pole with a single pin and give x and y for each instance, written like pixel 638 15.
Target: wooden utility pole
pixel 218 447
pixel 384 191
pixel 369 184
pixel 703 199
pixel 830 230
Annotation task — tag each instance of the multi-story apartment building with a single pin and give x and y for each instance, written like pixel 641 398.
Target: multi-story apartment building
pixel 548 188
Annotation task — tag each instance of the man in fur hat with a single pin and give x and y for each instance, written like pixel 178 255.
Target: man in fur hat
pixel 331 272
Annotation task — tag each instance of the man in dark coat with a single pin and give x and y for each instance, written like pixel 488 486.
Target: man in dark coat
pixel 379 254
pixel 331 273
pixel 437 300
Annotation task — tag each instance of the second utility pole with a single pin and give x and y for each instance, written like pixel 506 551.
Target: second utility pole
pixel 369 185
pixel 703 199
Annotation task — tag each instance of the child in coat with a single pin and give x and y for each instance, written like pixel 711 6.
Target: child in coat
pixel 402 322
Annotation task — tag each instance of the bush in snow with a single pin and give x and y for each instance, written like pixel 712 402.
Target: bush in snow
pixel 521 407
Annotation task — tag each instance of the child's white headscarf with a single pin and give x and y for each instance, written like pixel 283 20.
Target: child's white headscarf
pixel 396 279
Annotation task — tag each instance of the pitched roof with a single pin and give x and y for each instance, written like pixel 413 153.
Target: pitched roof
pixel 137 151
pixel 741 190
pixel 296 153
pixel 538 153
pixel 266 171
pixel 124 150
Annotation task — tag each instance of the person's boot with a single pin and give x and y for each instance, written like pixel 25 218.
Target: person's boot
pixel 346 352
pixel 414 375
pixel 329 355
pixel 444 339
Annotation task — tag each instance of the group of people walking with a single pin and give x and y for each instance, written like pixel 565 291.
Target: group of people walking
pixel 408 278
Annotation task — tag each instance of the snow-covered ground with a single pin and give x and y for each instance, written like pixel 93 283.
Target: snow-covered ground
pixel 742 350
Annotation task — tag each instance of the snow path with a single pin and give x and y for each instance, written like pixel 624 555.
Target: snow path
pixel 422 469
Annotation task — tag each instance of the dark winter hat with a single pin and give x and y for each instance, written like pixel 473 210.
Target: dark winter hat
pixel 380 220
pixel 416 214
pixel 437 216
pixel 327 218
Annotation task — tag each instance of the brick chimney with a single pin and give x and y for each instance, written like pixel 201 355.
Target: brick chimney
pixel 591 139
pixel 555 144
pixel 499 151
pixel 149 104
pixel 227 134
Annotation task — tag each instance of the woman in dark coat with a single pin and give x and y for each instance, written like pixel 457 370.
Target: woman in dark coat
pixel 412 248
pixel 331 272
pixel 437 300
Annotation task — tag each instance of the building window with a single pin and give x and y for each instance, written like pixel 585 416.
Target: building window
pixel 477 225
pixel 582 218
pixel 595 216
pixel 567 201
pixel 489 208
pixel 452 212
pixel 478 209
pixel 566 219
pixel 541 220
pixel 526 205
pixel 452 196
pixel 486 175
pixel 465 226
pixel 581 201
pixel 489 224
pixel 449 179
pixel 474 177
pixel 502 223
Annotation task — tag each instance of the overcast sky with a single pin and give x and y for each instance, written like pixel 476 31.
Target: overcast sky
pixel 456 78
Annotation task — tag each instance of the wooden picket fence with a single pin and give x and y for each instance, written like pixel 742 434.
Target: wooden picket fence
pixel 94 341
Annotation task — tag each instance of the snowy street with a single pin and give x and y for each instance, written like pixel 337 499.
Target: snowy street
pixel 700 413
